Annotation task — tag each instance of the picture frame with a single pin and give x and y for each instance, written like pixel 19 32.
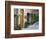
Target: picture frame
pixel 10 5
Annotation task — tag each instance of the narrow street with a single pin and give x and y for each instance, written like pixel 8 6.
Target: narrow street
pixel 32 27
